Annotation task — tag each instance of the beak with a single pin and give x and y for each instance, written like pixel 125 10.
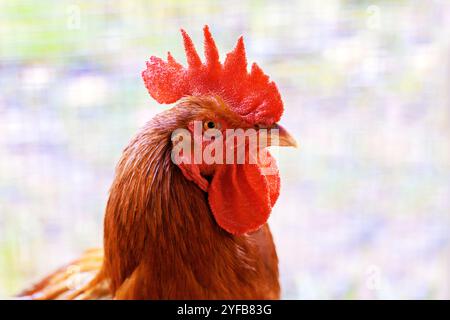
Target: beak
pixel 285 139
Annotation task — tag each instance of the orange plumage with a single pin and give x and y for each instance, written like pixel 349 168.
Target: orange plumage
pixel 183 231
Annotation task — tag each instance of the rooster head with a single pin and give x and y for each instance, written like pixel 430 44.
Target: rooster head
pixel 215 101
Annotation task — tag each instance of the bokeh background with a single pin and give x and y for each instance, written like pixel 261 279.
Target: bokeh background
pixel 364 209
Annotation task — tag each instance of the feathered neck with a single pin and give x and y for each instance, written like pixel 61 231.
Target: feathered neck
pixel 160 238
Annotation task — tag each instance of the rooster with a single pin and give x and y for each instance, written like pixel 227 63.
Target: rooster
pixel 187 230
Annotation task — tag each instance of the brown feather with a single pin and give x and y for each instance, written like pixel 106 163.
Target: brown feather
pixel 161 240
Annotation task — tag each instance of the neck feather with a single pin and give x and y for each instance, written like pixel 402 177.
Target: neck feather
pixel 159 230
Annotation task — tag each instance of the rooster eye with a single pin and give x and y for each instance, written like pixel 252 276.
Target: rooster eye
pixel 210 125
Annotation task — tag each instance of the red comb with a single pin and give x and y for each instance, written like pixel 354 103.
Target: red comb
pixel 251 95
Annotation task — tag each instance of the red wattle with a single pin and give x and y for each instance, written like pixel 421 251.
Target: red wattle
pixel 241 196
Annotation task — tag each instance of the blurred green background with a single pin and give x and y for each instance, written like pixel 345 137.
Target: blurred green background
pixel 364 209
